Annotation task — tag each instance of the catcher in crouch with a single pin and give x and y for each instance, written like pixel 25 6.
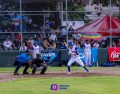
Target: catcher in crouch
pixel 38 64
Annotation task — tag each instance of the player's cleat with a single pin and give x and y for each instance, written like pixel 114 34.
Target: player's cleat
pixel 16 73
pixel 69 73
pixel 25 73
pixel 88 72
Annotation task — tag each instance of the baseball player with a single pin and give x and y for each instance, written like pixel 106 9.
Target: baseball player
pixel 73 52
pixel 38 64
pixel 87 51
pixel 35 50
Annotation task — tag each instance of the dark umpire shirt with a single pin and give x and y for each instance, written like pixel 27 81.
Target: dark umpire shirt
pixel 38 62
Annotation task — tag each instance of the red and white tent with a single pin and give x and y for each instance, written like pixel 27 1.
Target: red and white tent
pixel 102 26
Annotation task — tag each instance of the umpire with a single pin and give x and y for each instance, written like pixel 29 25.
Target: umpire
pixel 22 60
pixel 38 64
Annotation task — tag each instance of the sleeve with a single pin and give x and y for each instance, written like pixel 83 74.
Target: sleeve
pixel 28 58
pixel 20 56
pixel 70 52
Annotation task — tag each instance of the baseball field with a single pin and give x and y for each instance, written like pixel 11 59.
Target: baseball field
pixel 101 80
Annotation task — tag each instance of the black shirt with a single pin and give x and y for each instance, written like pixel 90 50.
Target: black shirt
pixel 37 61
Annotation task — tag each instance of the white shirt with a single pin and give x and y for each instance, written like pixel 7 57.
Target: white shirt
pixel 95 45
pixel 73 52
pixel 31 41
pixel 36 49
pixel 16 21
pixel 53 37
pixel 87 47
pixel 7 44
pixel 63 32
pixel 23 48
pixel 29 21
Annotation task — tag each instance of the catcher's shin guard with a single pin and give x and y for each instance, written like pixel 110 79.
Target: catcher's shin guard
pixel 43 70
pixel 34 70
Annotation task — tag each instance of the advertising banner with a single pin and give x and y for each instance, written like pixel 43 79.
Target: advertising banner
pixel 114 53
pixel 52 57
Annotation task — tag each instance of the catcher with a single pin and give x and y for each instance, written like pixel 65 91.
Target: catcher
pixel 38 64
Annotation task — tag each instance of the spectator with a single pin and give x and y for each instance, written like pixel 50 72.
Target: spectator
pixel 63 46
pixel 76 43
pixel 113 44
pixel 31 41
pixel 13 37
pixel 16 44
pixel 18 36
pixel 26 42
pixel 29 47
pixel 53 37
pixel 91 42
pixel 82 44
pixel 14 47
pixel 7 45
pixel 96 44
pixel 23 47
pixel 118 43
pixel 103 44
pixel 54 27
pixel 70 29
pixel 70 40
pixel 16 23
pixel 29 24
pixel 52 44
pixel 39 41
pixel 76 35
pixel 5 23
pixel 24 23
pixel 11 27
pixel 45 44
pixel 63 32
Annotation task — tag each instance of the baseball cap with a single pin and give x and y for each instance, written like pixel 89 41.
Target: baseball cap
pixel 70 44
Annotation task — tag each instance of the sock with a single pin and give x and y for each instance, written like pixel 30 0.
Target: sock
pixel 68 68
pixel 86 69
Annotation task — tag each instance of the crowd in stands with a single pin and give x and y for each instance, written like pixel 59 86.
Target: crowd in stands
pixel 50 43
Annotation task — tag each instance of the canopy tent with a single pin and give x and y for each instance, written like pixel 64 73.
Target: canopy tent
pixel 102 26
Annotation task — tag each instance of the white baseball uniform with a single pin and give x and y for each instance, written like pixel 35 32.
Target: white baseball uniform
pixel 87 51
pixel 74 56
pixel 36 50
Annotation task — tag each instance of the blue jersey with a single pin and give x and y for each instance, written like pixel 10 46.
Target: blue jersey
pixel 23 58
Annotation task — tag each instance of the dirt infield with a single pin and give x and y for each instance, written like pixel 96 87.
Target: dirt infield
pixel 5 77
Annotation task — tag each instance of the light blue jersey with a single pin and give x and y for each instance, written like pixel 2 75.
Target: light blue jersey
pixel 23 58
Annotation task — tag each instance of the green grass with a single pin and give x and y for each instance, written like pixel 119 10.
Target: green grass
pixel 87 85
pixel 77 85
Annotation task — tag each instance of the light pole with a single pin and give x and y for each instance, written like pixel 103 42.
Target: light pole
pixel 21 21
pixel 110 24
pixel 67 20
